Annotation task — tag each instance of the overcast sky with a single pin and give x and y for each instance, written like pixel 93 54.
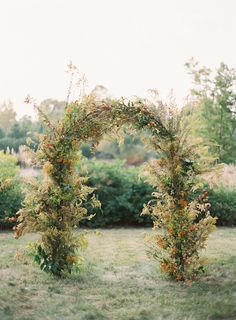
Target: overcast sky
pixel 128 46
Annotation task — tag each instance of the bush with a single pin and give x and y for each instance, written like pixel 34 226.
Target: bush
pixel 121 193
pixel 11 143
pixel 223 205
pixel 10 190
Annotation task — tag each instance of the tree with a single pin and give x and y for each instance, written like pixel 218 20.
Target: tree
pixel 7 116
pixel 20 133
pixel 53 109
pixel 214 106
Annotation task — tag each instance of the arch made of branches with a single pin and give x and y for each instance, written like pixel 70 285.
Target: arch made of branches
pixel 56 205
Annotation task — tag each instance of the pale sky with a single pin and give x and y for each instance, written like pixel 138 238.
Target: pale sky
pixel 129 46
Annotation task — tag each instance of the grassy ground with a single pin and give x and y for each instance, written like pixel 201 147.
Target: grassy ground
pixel 118 282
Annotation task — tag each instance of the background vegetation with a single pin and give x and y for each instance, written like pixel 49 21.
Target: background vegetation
pixel 11 194
pixel 121 192
pixel 210 110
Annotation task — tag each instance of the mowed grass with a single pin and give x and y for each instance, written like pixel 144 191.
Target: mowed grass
pixel 118 282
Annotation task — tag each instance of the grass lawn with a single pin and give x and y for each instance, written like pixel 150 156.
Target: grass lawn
pixel 118 282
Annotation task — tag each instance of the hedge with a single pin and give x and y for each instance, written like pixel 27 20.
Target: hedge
pixel 223 205
pixel 119 188
pixel 10 193
pixel 121 192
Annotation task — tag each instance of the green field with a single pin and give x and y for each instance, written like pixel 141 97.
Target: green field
pixel 118 282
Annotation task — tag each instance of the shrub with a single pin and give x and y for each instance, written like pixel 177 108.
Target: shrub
pixel 86 150
pixel 223 205
pixel 10 190
pixel 222 194
pixel 121 193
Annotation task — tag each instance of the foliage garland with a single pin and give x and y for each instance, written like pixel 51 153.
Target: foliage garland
pixel 56 206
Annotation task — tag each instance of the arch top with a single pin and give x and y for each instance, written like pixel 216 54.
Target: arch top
pixel 104 115
pixel 90 120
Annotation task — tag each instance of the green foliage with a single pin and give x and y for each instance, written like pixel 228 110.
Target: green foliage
pixel 120 191
pixel 223 205
pixel 86 150
pixel 212 114
pixel 8 166
pixel 57 253
pixel 10 190
pixel 7 116
pixel 2 134
pixel 12 143
pixel 55 210
pixel 132 149
pixel 19 133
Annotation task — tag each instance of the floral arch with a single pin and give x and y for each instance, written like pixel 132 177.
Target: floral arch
pixel 56 205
